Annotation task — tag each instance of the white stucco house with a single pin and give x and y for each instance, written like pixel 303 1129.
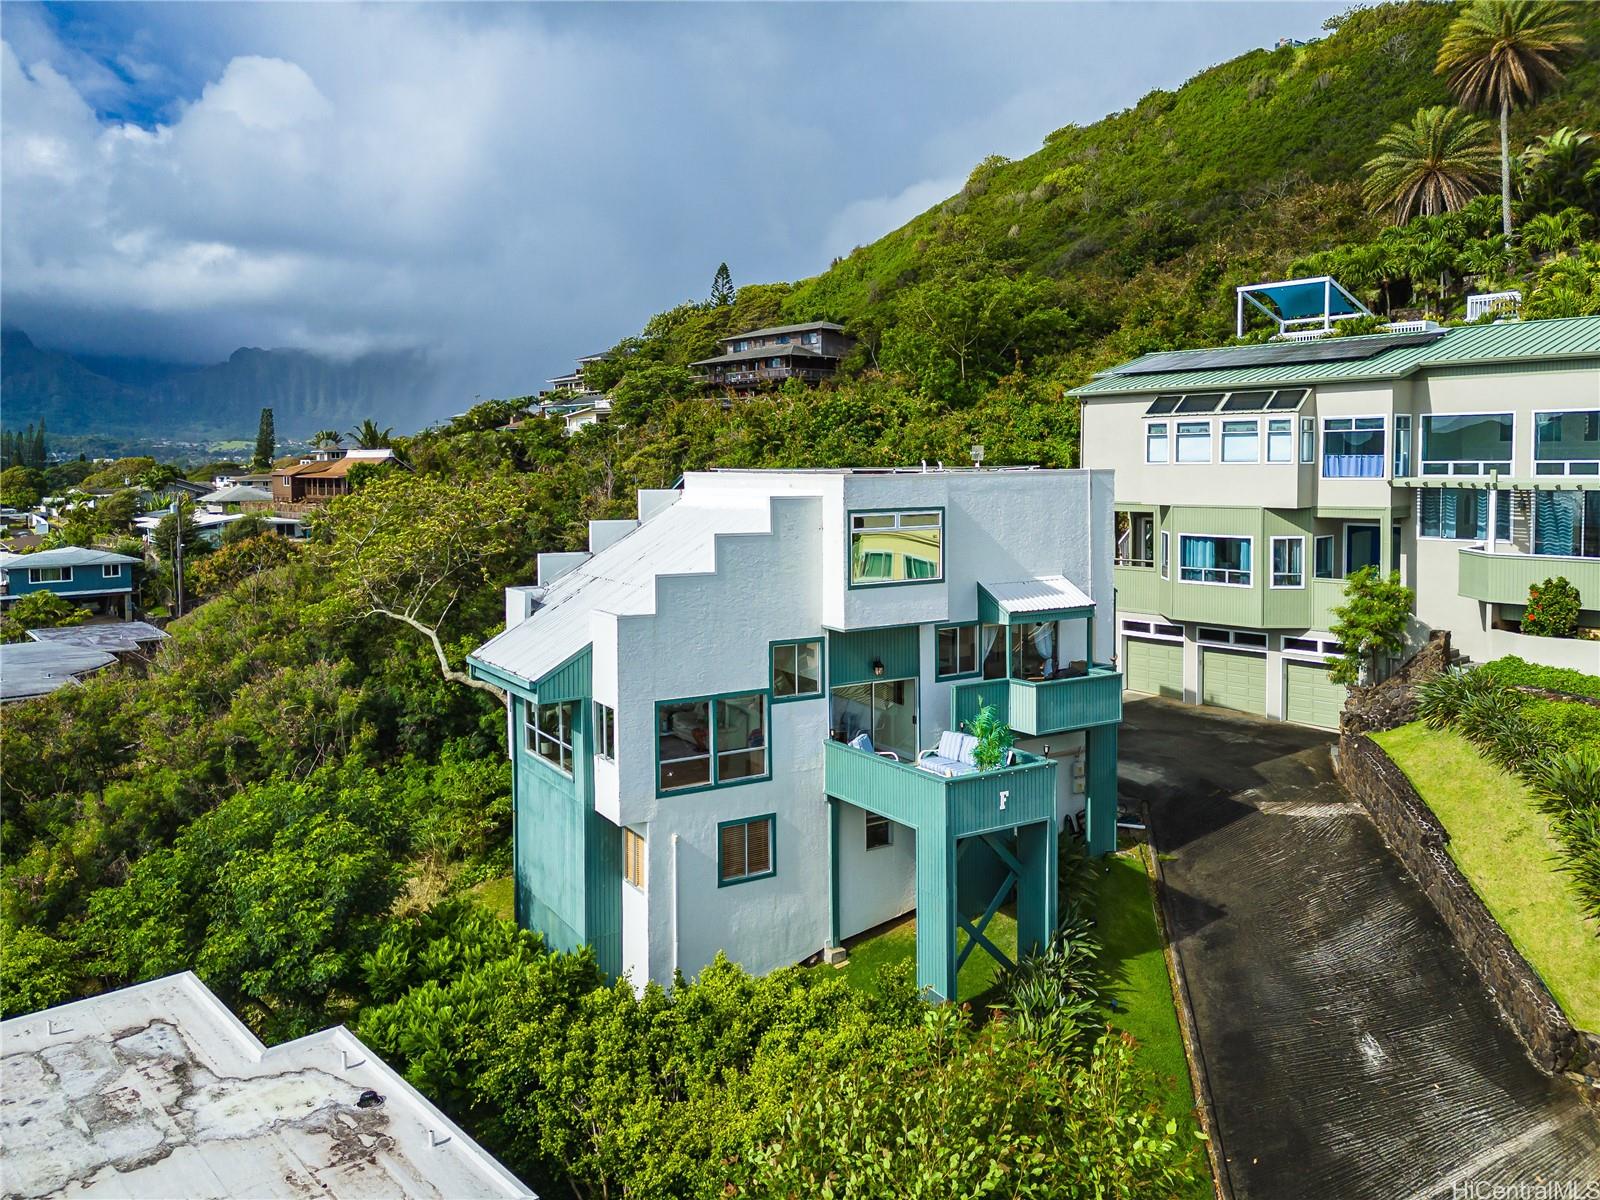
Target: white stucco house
pixel 717 711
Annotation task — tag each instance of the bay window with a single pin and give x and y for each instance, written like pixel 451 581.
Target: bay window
pixel 1241 441
pixel 1280 440
pixel 547 732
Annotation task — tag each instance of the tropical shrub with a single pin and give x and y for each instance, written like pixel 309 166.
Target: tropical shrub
pixel 994 738
pixel 1517 672
pixel 39 610
pixel 1552 609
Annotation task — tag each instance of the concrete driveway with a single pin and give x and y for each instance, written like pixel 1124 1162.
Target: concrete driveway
pixel 1351 1052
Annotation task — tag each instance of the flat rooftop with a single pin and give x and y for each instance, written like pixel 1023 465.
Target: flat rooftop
pixel 158 1090
pixel 115 638
pixel 37 668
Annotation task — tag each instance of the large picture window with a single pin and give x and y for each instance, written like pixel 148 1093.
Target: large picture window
pixel 1567 523
pixel 49 574
pixel 797 669
pixel 1223 560
pixel 745 850
pixel 1352 448
pixel 1466 444
pixel 897 547
pixel 1567 443
pixel 547 732
pixel 1462 514
pixel 708 743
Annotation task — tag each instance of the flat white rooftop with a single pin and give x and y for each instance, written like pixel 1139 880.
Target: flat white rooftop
pixel 158 1090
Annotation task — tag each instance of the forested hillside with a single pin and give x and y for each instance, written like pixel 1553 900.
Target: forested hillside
pixel 301 803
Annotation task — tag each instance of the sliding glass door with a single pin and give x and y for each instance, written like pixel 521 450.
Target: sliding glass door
pixel 884 710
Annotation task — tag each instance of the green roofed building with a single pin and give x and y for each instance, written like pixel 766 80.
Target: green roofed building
pixel 1251 480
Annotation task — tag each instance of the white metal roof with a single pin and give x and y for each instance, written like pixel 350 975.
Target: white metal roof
pixel 1045 594
pixel 236 493
pixel 64 556
pixel 36 668
pixel 159 1090
pixel 621 580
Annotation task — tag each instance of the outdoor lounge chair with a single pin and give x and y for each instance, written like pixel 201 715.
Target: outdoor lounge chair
pixel 862 742
pixel 954 755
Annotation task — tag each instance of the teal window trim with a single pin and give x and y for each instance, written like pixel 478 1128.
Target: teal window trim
pixel 851 583
pixel 772 669
pixel 977 670
pixel 711 721
pixel 772 846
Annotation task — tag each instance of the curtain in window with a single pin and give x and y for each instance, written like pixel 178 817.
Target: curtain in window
pixel 1244 555
pixel 1044 641
pixel 1557 519
pixel 1198 552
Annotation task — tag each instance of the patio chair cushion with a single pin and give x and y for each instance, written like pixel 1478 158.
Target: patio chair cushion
pixel 957 745
pixel 861 742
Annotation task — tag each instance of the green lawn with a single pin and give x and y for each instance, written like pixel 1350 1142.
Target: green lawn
pixel 898 943
pixel 1502 843
pixel 496 896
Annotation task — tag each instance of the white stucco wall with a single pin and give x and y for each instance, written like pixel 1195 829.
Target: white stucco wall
pixel 874 885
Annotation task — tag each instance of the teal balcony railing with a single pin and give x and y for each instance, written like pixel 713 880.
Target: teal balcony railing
pixel 961 805
pixel 1034 708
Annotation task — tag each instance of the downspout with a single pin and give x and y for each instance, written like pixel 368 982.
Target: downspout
pixel 674 906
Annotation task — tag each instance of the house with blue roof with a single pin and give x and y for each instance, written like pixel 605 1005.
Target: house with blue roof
pixel 97 578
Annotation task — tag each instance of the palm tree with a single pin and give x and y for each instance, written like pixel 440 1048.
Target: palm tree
pixel 1502 54
pixel 1550 232
pixel 326 437
pixel 1434 163
pixel 368 436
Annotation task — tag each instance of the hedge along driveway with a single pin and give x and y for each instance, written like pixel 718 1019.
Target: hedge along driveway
pixel 1503 844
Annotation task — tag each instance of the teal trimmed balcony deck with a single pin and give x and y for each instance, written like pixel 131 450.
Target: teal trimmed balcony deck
pixel 961 805
pixel 1505 578
pixel 1034 708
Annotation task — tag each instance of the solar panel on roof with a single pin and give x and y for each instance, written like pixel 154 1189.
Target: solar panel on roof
pixel 1287 399
pixel 1200 402
pixel 1278 354
pixel 1246 401
pixel 1162 404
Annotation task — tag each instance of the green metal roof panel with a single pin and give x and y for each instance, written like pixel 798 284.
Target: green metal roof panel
pixel 1468 345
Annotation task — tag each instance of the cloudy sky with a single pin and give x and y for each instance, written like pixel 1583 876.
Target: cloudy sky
pixel 508 185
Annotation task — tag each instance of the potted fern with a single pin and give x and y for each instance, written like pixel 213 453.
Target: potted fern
pixel 994 739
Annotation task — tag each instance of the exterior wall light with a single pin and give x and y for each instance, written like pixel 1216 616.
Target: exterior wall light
pixel 877 666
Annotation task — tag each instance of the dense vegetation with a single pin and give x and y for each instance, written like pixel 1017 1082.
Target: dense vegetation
pixel 1554 745
pixel 300 795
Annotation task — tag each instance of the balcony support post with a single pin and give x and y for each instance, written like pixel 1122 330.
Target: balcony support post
pixel 833 872
pixel 1101 787
pixel 936 908
pixel 1037 900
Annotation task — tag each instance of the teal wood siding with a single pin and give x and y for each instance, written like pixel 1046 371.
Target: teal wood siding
pixel 851 655
pixel 568 858
pixel 963 805
pixel 84 581
pixel 1505 578
pixel 1035 709
pixel 1101 801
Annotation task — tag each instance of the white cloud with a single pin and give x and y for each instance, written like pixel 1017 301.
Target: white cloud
pixel 864 221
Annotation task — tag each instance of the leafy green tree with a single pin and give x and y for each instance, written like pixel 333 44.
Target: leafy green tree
pixel 36 971
pixel 408 548
pixel 238 559
pixel 722 287
pixel 1553 608
pixel 1555 231
pixel 1503 54
pixel 266 442
pixel 39 610
pixel 647 390
pixel 115 513
pixel 157 477
pixel 1434 163
pixel 1371 622
pixel 1561 169
pixel 21 487
pixel 368 436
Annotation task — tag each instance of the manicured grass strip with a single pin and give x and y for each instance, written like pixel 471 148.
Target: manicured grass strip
pixel 497 896
pixel 898 944
pixel 1504 846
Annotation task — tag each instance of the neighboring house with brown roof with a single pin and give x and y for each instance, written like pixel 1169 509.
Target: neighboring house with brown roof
pixel 322 476
pixel 758 357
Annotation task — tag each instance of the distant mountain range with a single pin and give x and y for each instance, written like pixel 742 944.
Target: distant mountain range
pixel 79 394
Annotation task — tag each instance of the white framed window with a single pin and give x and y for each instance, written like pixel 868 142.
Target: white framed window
pixel 633 847
pixel 1241 441
pixel 1567 443
pixel 1194 441
pixel 111 571
pixel 1352 447
pixel 547 732
pixel 605 731
pixel 1308 440
pixel 1136 539
pixel 1280 440
pixel 880 832
pixel 1467 443
pixel 1206 558
pixel 49 574
pixel 1288 562
pixel 1156 447
pixel 1166 555
pixel 1402 445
